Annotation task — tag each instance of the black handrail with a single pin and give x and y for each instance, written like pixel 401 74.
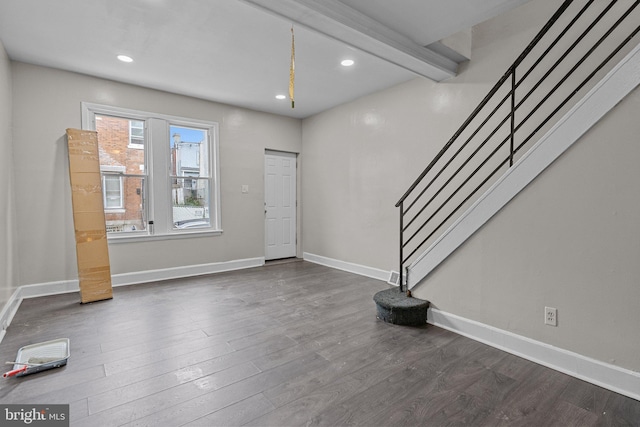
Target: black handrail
pixel 487 98
pixel 414 227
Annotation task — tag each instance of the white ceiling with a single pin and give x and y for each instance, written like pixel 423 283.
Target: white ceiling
pixel 238 51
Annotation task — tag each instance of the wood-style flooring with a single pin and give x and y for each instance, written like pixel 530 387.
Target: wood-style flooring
pixel 290 344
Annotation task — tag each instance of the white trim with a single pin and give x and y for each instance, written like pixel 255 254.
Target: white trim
pixel 362 270
pixel 49 288
pixel 601 99
pixel 9 310
pixel 611 377
pixel 112 168
pixel 131 236
pixel 67 286
pixel 184 271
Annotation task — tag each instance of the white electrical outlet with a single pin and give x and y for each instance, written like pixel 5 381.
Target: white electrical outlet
pixel 551 316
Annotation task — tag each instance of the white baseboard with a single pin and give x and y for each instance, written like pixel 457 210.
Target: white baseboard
pixel 184 271
pixel 9 310
pixel 362 270
pixel 49 288
pixel 611 377
pixel 67 286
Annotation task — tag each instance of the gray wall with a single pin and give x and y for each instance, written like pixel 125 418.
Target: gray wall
pixel 47 101
pixel 570 241
pixel 8 280
pixel 362 156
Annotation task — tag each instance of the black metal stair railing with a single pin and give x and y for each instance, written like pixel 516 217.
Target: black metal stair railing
pixel 578 43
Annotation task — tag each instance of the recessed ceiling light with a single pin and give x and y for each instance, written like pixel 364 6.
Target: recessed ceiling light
pixel 347 63
pixel 280 97
pixel 125 58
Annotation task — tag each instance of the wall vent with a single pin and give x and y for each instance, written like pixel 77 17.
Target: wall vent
pixel 394 278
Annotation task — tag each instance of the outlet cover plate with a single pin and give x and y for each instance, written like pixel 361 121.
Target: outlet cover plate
pixel 551 316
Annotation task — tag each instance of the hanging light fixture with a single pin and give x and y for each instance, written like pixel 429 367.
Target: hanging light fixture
pixel 292 69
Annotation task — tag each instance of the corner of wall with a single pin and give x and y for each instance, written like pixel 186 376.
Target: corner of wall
pixel 8 282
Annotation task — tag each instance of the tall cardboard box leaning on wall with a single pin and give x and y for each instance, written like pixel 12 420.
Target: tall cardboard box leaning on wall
pixel 92 251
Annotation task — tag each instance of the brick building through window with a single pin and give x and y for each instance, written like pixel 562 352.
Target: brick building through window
pixel 122 165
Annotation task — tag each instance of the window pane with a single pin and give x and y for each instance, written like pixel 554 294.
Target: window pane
pixel 129 215
pixel 189 152
pixel 113 142
pixel 136 134
pixel 190 198
pixel 124 200
pixel 112 191
pixel 137 128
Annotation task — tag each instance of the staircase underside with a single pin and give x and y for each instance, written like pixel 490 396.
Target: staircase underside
pixel 617 84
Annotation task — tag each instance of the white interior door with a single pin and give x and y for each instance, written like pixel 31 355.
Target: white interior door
pixel 280 204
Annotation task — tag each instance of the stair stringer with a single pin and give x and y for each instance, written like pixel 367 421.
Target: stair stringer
pixel 617 84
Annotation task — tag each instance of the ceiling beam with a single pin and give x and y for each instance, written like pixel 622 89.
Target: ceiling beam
pixel 345 24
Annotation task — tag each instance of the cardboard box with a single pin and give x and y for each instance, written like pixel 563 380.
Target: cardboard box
pixel 86 192
pixel 96 283
pixel 83 151
pixel 92 250
pixel 85 221
pixel 91 254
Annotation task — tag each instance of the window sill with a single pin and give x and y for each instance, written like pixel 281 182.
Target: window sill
pixel 117 239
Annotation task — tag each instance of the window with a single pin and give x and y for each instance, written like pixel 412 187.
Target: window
pixel 112 185
pixel 122 169
pixel 136 134
pixel 190 196
pixel 177 190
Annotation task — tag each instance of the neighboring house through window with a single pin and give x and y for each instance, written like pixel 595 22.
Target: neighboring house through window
pixel 113 193
pixel 190 177
pixel 136 134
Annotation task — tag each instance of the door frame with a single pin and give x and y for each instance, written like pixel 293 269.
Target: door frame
pixel 296 194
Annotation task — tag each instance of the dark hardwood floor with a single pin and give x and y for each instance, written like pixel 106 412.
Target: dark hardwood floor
pixel 289 344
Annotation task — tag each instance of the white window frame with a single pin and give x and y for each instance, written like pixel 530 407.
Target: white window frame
pixel 158 203
pixel 107 206
pixel 118 172
pixel 132 144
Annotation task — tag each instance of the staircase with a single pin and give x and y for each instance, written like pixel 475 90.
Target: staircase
pixel 583 61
